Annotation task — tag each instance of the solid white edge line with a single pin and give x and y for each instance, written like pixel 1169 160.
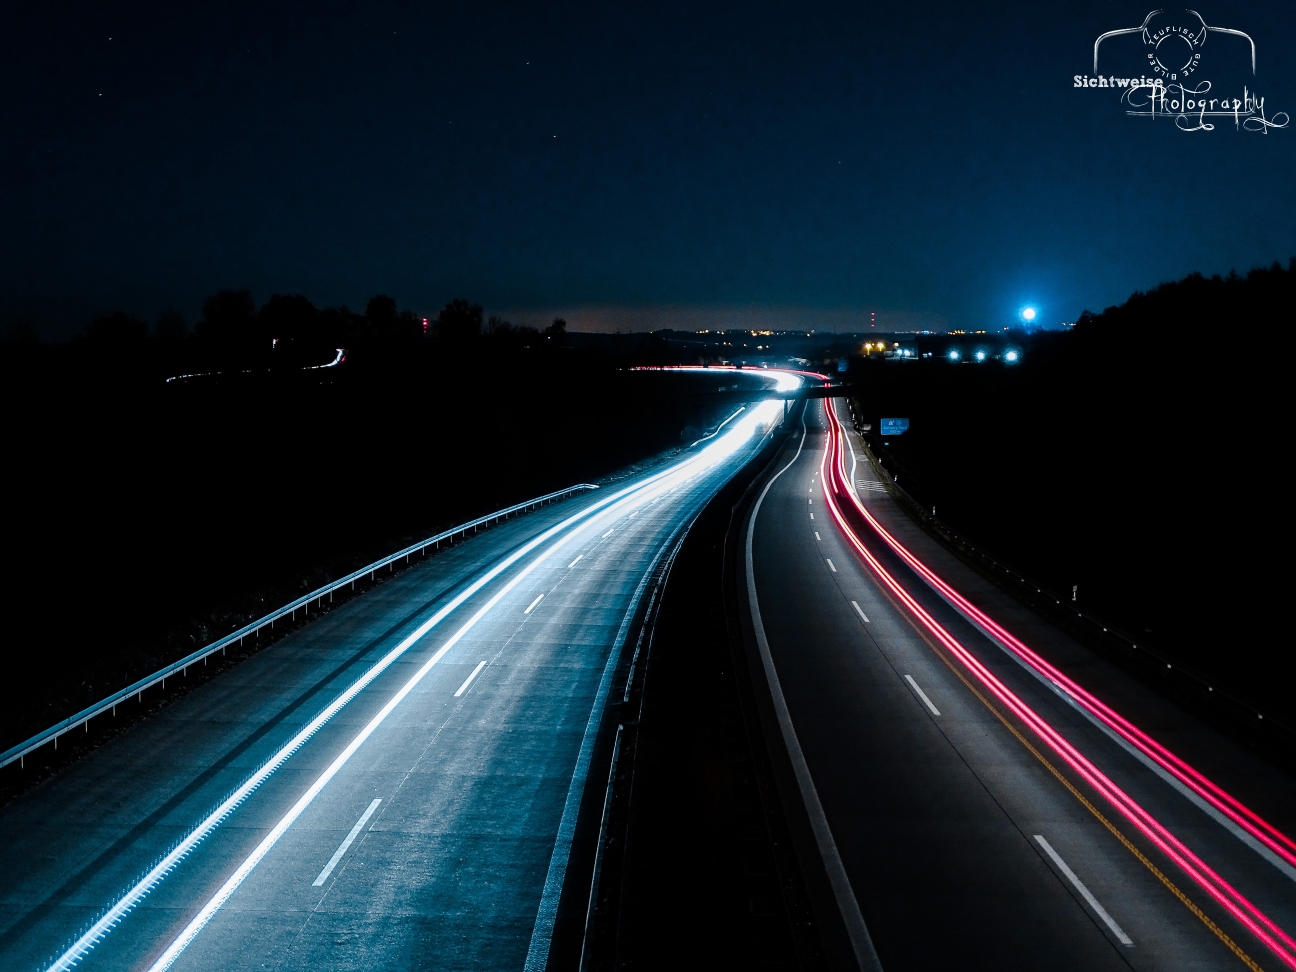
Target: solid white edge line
pixel 542 931
pixel 575 562
pixel 128 901
pixel 1151 764
pixel 922 695
pixel 117 911
pixel 217 900
pixel 1084 892
pixel 468 681
pixel 214 904
pixel 860 611
pixel 530 607
pixel 342 848
pixel 856 930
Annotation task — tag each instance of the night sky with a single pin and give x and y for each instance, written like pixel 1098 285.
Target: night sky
pixel 697 165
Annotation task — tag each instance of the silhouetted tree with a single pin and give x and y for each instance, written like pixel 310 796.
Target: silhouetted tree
pixel 497 327
pixel 380 312
pixel 408 327
pixel 291 324
pixel 21 332
pixel 229 323
pixel 556 333
pixel 509 338
pixel 170 326
pixel 338 327
pixel 387 327
pixel 288 317
pixel 117 329
pixel 459 323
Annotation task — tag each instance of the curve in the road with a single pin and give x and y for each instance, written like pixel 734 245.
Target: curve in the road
pixel 976 806
pixel 847 906
pixel 846 509
pixel 711 465
pixel 1274 845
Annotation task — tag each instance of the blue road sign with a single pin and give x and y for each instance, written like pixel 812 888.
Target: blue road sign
pixel 895 426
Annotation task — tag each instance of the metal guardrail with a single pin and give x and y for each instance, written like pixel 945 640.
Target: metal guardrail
pixel 1206 688
pixel 253 630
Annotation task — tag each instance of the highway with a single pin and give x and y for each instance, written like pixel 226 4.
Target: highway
pixel 971 801
pixel 395 784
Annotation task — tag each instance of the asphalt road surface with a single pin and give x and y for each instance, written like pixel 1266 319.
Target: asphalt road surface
pixel 393 785
pixel 954 842
pixel 390 786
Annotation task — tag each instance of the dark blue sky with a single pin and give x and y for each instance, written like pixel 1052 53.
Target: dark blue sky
pixel 695 165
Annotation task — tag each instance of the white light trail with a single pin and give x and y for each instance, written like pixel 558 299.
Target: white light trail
pixel 762 416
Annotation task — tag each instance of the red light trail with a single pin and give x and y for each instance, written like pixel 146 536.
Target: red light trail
pixel 836 487
pixel 1226 803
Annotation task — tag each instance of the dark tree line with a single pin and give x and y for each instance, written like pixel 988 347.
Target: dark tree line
pixel 289 332
pixel 1140 458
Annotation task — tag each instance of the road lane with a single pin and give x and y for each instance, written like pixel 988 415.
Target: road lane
pixel 935 816
pixel 473 795
pixel 448 872
pixel 1203 840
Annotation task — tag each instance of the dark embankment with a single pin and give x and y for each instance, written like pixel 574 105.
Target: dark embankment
pixel 695 855
pixel 145 519
pixel 1138 458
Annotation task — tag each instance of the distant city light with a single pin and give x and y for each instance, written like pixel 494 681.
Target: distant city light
pixel 1028 314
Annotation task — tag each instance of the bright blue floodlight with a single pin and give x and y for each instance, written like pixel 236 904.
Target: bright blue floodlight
pixel 954 354
pixel 1028 314
pixel 1010 356
pixel 980 355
